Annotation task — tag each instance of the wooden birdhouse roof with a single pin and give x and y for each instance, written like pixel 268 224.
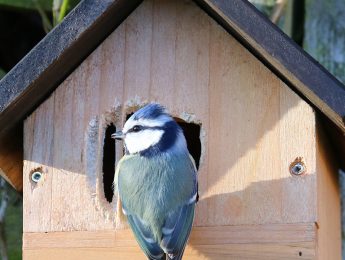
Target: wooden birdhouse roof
pixel 36 76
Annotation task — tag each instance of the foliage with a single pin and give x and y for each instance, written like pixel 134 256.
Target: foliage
pixel 265 6
pixel 45 5
pixel 274 9
pixel 264 2
pixel 2 73
pixel 14 225
pixel 58 9
pixel 325 34
pixel 27 4
pixel 10 222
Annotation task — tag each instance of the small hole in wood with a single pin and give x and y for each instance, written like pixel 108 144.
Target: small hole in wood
pixel 298 167
pixel 300 253
pixel 36 175
pixel 109 162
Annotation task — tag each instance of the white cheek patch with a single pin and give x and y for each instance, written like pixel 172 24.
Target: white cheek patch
pixel 137 142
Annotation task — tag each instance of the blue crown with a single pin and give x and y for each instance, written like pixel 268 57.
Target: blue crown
pixel 150 111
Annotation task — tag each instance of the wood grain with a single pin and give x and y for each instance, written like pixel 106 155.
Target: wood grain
pixel 329 212
pixel 219 252
pixel 244 234
pixel 11 157
pixel 254 115
pixel 297 138
pixel 252 128
pixel 280 52
pixel 190 64
pixel 243 242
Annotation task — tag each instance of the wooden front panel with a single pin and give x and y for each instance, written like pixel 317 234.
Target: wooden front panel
pixel 253 125
pixel 292 241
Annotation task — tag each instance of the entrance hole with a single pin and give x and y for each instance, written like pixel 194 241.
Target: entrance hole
pixel 108 168
pixel 191 132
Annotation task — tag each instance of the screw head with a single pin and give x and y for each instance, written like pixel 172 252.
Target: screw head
pixel 36 176
pixel 298 167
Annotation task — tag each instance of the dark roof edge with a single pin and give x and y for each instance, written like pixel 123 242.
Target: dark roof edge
pixel 282 55
pixel 57 55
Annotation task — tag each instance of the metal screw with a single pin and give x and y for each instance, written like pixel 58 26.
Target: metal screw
pixel 297 167
pixel 36 176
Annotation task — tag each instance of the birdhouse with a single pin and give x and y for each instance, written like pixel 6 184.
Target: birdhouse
pixel 263 121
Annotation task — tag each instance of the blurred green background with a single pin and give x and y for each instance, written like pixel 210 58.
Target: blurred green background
pixel 316 25
pixel 11 226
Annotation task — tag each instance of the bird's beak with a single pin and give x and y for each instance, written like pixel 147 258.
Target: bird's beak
pixel 118 135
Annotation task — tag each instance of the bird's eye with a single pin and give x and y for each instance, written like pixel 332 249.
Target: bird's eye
pixel 136 128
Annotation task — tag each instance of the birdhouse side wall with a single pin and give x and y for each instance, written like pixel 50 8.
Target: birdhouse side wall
pixel 11 158
pixel 329 235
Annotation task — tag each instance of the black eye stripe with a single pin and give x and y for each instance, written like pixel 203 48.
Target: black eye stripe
pixel 141 128
pixel 135 129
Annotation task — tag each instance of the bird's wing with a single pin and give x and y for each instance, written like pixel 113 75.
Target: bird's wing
pixel 117 171
pixel 196 184
pixel 145 238
pixel 178 224
pixel 175 227
pixel 176 231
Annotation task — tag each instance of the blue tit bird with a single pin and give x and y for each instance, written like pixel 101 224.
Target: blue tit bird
pixel 157 182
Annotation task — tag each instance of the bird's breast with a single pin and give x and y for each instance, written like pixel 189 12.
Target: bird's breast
pixel 154 186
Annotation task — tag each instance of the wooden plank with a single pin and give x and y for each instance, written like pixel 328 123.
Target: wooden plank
pixel 304 250
pixel 247 116
pixel 76 239
pixel 253 242
pixel 250 234
pixel 297 139
pixel 138 54
pixel 68 172
pixel 38 156
pixel 244 234
pixel 190 92
pixel 282 55
pixel 329 212
pixel 126 253
pixel 253 114
pixel 11 157
pixel 164 41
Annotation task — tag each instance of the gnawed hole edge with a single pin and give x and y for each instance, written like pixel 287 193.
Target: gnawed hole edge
pixel 100 158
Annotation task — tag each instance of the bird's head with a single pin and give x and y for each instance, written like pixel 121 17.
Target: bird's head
pixel 151 130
